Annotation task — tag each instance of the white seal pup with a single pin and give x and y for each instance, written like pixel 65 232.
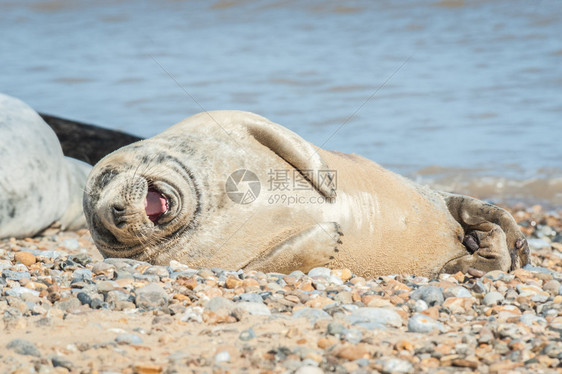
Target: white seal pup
pixel 231 189
pixel 38 185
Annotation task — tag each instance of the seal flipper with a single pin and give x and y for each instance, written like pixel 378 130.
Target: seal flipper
pixel 296 151
pixel 480 217
pixel 312 247
pixel 492 252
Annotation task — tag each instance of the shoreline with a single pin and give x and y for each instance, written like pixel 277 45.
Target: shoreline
pixel 65 309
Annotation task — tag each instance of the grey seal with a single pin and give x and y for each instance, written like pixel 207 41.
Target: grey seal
pixel 38 185
pixel 191 194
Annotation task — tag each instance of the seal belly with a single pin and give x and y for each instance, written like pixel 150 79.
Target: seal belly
pixel 390 224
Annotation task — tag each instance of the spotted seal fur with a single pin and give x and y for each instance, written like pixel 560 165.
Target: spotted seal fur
pixel 38 185
pixel 191 194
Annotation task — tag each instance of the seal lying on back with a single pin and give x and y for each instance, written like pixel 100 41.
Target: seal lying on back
pixel 38 185
pixel 187 194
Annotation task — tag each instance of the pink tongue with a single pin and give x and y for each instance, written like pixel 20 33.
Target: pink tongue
pixel 155 205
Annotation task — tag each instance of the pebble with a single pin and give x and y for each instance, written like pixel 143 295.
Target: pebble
pixel 223 356
pixel 422 323
pixel 353 336
pixel 538 244
pixel 312 315
pixel 23 347
pixel 247 335
pixel 309 369
pixel 492 298
pixel 25 258
pixel 552 286
pixel 335 328
pixel 128 339
pixel 255 309
pixel 420 306
pixel 374 318
pixel 456 291
pixel 396 365
pixel 20 291
pixel 325 320
pixel 15 275
pixel 151 296
pixel 531 319
pixel 319 272
pixel 430 294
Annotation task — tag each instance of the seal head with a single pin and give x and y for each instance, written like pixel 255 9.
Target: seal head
pixel 133 208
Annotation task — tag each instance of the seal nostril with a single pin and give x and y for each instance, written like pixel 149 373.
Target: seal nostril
pixel 118 209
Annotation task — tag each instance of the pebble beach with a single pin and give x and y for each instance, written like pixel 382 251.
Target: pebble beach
pixel 65 309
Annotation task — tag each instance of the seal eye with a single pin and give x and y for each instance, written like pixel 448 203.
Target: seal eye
pixel 155 204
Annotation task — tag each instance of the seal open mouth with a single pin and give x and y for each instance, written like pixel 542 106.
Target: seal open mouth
pixel 155 204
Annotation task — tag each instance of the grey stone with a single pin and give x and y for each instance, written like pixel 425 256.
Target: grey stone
pixel 456 291
pixel 297 274
pixel 530 319
pixel 251 297
pixel 59 361
pixel 183 273
pixel 68 304
pixel 311 314
pixel 396 365
pixel 430 294
pixel 81 258
pixel 103 268
pixel 51 254
pixel 319 272
pixel 23 347
pixel 128 339
pixel 353 336
pixel 538 244
pixel 20 291
pixel 479 287
pixel 160 271
pixel 255 309
pixel 247 335
pixel 335 328
pixel 112 297
pixel 422 323
pixel 420 306
pixel 332 279
pixel 344 297
pixel 105 286
pixel 84 298
pixel 309 369
pixel 492 298
pixel 81 275
pixel 552 286
pixel 151 296
pixel 537 269
pixel 371 317
pixel 121 263
pixel 218 302
pixel 176 266
pixel 15 275
pixel 497 275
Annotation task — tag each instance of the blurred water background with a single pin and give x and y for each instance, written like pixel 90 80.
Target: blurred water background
pixel 462 95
